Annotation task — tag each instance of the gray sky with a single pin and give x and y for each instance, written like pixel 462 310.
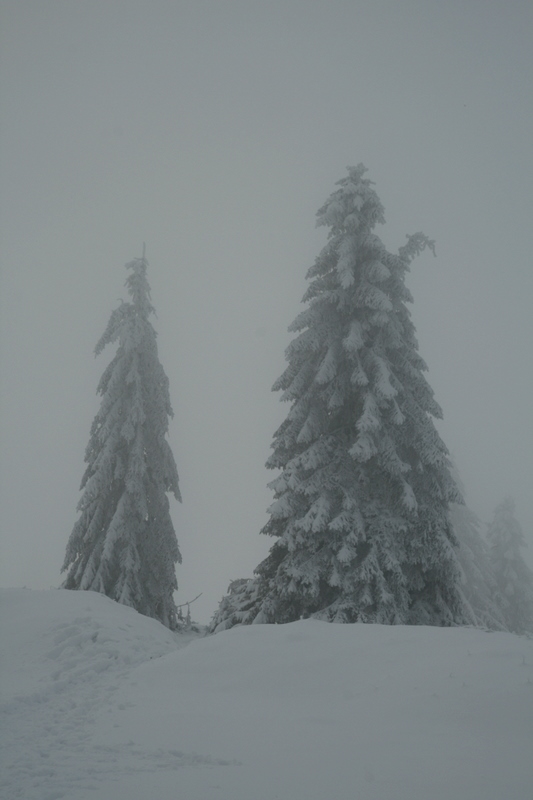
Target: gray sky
pixel 213 131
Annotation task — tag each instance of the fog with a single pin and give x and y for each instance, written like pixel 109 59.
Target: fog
pixel 213 131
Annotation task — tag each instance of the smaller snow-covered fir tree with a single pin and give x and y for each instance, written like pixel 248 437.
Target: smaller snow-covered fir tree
pixel 513 576
pixel 123 544
pixel 478 583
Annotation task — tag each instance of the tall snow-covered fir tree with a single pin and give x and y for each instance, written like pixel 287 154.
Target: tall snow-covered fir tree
pixel 513 576
pixel 361 511
pixel 123 543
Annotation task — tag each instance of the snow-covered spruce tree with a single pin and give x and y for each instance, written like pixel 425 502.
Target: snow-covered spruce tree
pixel 478 584
pixel 239 606
pixel 123 544
pixel 513 576
pixel 361 502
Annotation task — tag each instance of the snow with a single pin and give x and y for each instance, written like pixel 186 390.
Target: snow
pixel 99 702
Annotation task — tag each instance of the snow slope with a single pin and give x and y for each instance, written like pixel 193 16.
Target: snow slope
pixel 100 703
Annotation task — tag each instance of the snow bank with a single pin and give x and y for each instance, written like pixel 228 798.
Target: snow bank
pixel 63 657
pixel 100 702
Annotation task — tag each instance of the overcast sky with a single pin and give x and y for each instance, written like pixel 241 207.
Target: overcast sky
pixel 213 130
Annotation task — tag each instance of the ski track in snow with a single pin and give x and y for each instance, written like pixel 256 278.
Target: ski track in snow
pixel 50 745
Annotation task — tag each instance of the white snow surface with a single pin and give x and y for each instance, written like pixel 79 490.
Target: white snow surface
pixel 100 703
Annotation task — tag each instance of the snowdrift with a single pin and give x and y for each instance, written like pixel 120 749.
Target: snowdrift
pixel 99 702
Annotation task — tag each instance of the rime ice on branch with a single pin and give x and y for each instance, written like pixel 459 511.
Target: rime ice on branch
pixel 360 515
pixel 123 544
